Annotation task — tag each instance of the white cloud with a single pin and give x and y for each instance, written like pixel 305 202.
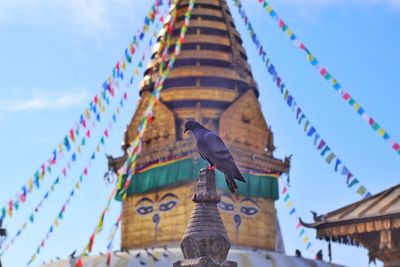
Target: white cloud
pixel 45 100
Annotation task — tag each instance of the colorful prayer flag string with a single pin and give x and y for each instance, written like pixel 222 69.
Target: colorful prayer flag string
pixel 322 147
pixel 77 186
pixel 120 66
pixel 294 214
pixel 375 126
pixel 95 104
pixel 135 145
pixel 57 181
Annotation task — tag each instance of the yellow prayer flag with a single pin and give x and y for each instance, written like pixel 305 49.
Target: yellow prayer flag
pixel 289 32
pixel 30 184
pixel 381 132
pixel 289 204
pixel 24 225
pixel 98 148
pixel 357 106
pixel 269 9
pixel 136 72
pixel 87 115
pixel 78 149
pixel 305 240
pixel 310 57
pixel 123 65
pixel 77 185
pixel 56 222
pixel 118 110
pixel 102 109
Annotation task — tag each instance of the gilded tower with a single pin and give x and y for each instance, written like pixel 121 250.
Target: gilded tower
pixel 212 83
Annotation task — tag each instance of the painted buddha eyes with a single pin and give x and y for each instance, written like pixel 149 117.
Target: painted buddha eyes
pixel 143 210
pixel 226 206
pixel 248 210
pixel 168 205
pixel 247 206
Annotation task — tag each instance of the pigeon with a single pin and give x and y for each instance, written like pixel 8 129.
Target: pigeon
pixel 213 149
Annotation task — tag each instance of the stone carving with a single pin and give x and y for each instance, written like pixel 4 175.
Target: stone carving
pixel 205 241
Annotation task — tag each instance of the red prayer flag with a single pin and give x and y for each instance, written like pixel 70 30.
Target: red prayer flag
pixel 79 263
pixel 72 135
pixel 125 96
pixel 106 133
pixel 281 23
pixel 91 242
pixel 85 171
pixel 88 133
pixel 371 121
pixel 396 146
pixel 109 259
pixel 346 96
pixel 284 190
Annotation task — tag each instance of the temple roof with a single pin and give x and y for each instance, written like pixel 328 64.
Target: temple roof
pixel 379 212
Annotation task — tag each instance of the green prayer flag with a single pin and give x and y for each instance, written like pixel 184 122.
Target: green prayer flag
pixel 31 218
pixel 330 158
pixel 286 198
pixel 361 190
pixel 355 181
pixel 302 232
pixel 3 212
pixel 375 126
pixel 326 149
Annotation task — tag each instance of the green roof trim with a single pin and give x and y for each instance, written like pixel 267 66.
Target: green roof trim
pixel 185 170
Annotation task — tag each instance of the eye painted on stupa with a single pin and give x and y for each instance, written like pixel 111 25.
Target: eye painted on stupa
pixel 168 202
pixel 249 207
pixel 144 206
pixel 227 203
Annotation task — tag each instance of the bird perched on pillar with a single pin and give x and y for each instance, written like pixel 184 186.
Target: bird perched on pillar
pixel 213 149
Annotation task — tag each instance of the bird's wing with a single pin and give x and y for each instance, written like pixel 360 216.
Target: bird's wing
pixel 213 148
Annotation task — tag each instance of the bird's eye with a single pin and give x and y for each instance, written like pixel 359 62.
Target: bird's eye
pixel 143 210
pixel 249 211
pixel 168 205
pixel 226 206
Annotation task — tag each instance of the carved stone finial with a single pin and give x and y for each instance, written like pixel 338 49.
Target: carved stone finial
pixel 205 241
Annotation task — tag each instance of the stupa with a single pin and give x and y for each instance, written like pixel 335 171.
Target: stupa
pixel 212 83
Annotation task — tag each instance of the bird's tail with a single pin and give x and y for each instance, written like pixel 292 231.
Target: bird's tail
pixel 231 184
pixel 230 179
pixel 237 175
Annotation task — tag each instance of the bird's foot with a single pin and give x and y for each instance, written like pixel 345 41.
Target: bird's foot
pixel 211 168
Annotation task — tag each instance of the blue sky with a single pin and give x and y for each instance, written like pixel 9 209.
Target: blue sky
pixel 54 56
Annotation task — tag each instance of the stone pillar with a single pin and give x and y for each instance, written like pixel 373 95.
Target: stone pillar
pixel 205 241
